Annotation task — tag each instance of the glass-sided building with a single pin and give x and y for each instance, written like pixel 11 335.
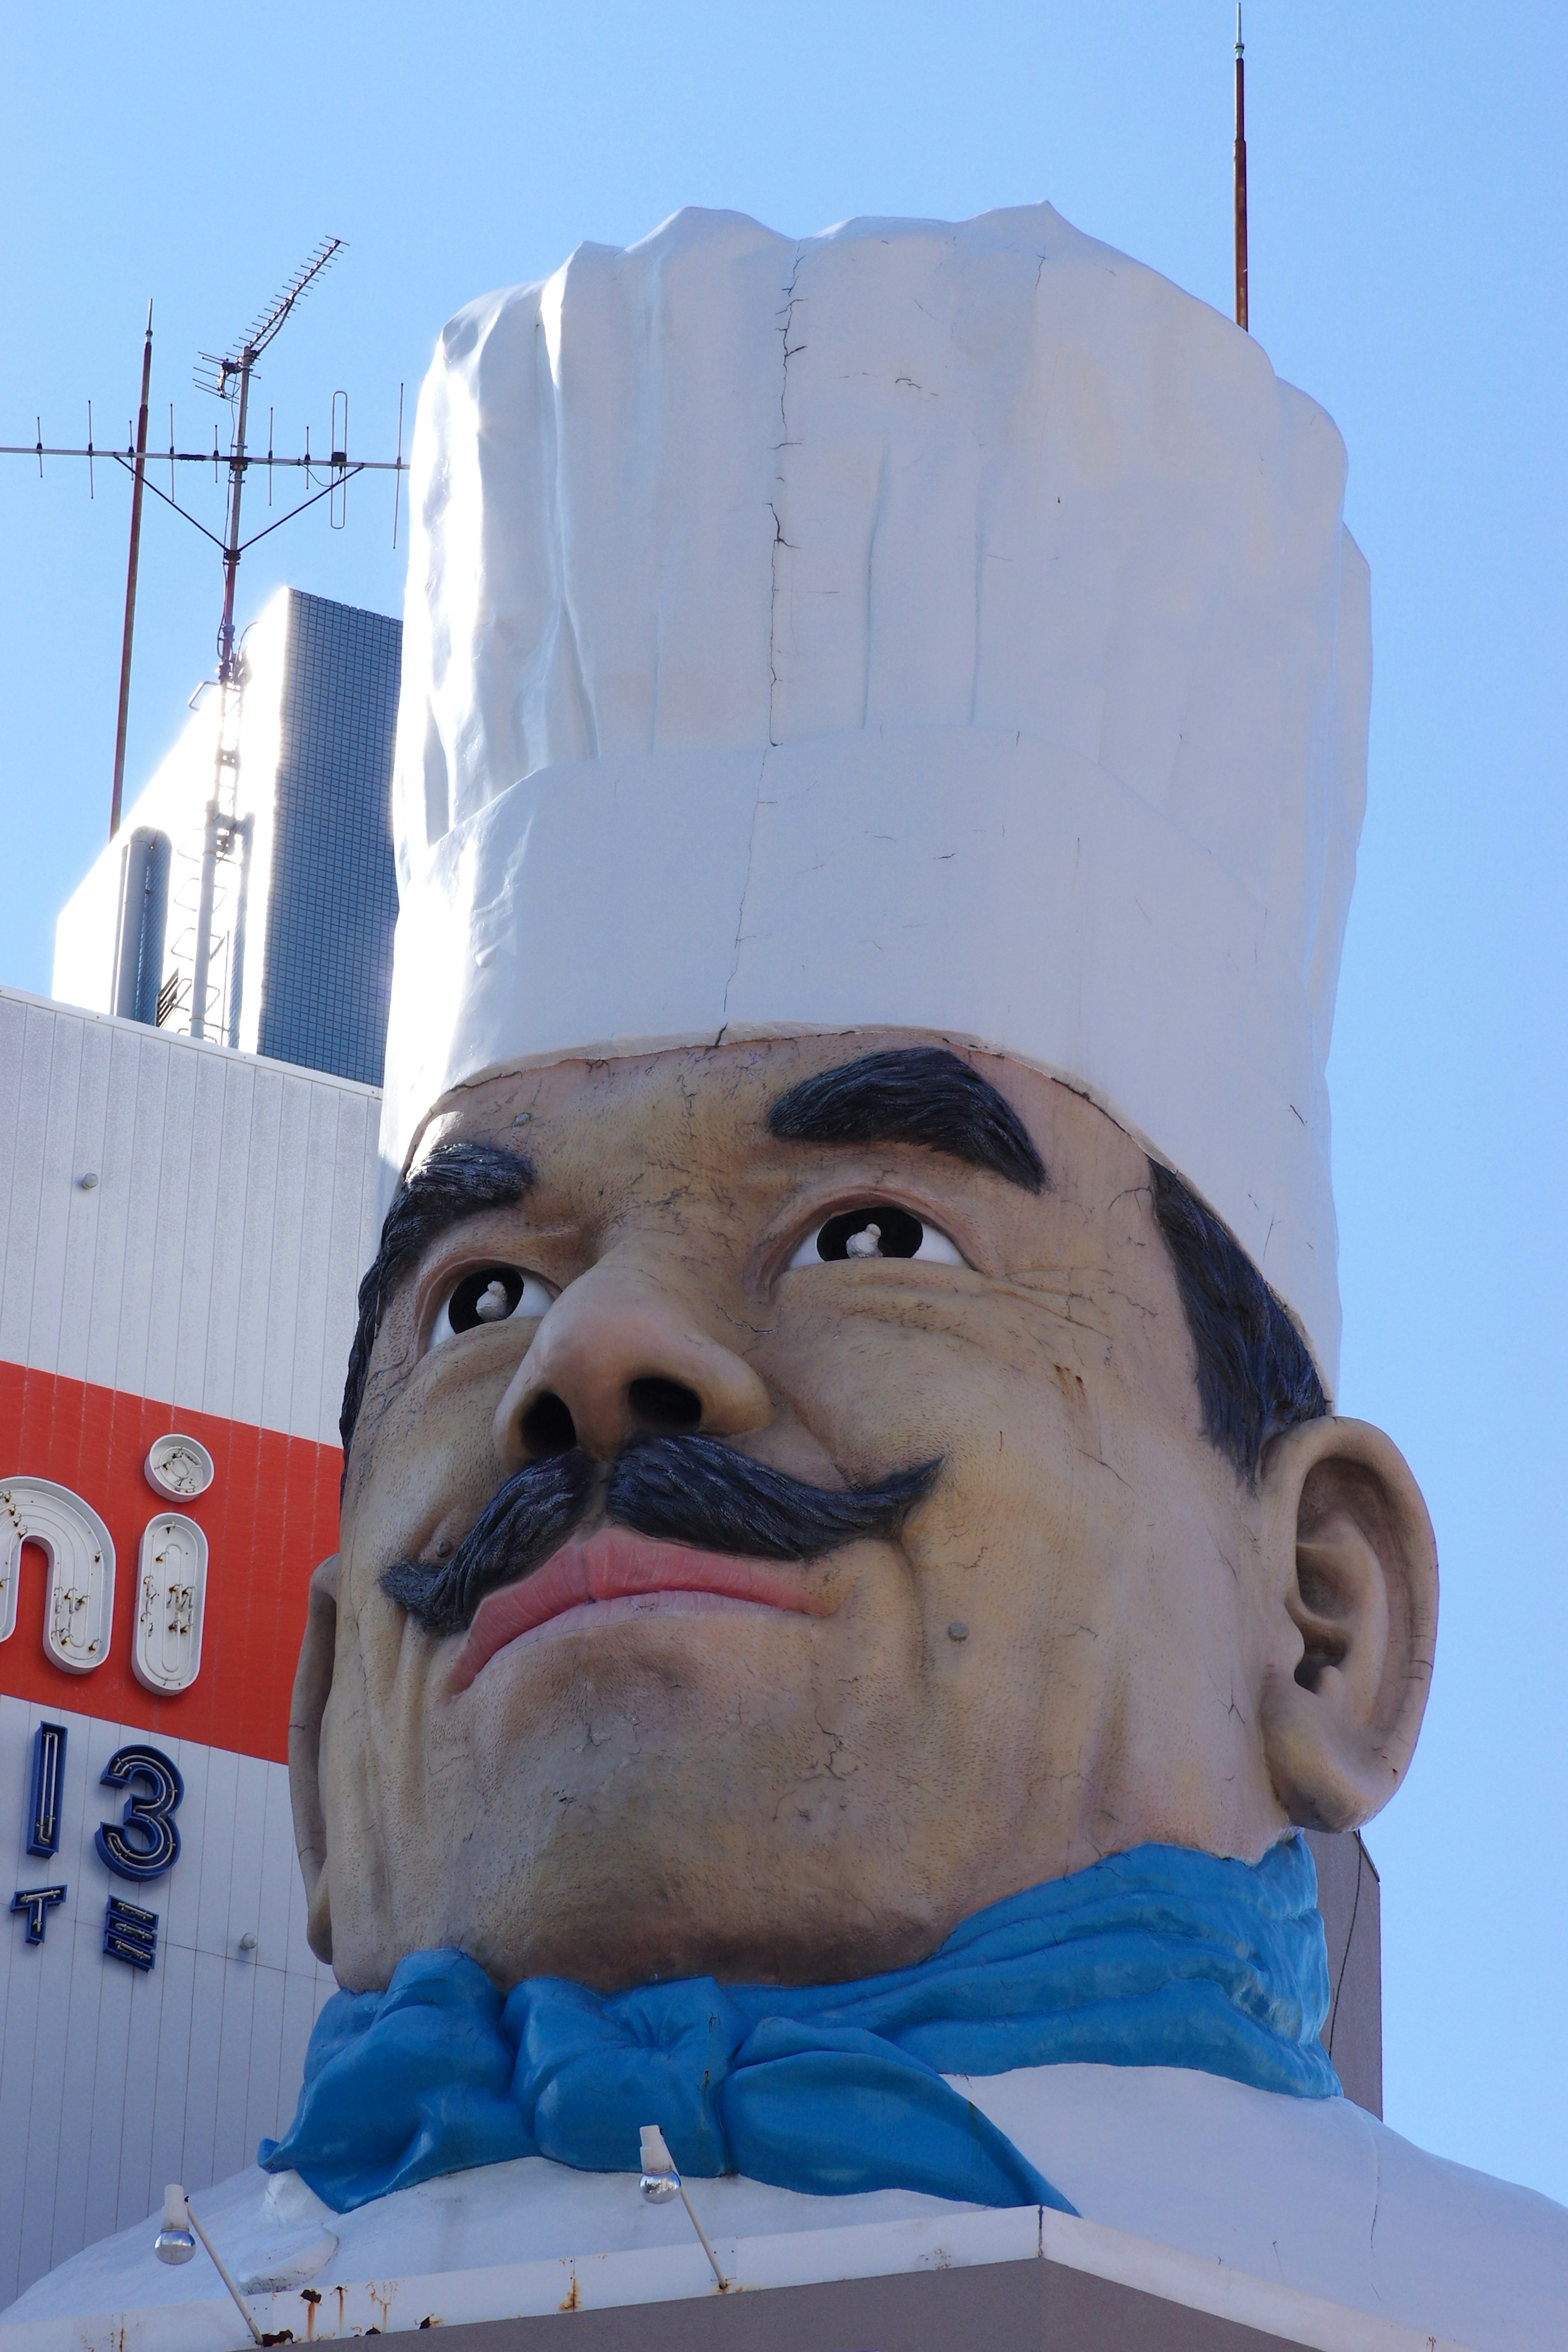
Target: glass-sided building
pixel 332 903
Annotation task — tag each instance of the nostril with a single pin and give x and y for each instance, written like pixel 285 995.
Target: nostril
pixel 548 1427
pixel 667 1407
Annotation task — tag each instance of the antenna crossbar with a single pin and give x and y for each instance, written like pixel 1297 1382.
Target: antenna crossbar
pixel 316 464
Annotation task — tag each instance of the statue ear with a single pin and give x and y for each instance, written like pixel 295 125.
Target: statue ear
pixel 1353 1558
pixel 312 1686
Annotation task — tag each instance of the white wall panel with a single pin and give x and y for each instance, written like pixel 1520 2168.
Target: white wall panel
pixel 215 1263
pixel 26 1122
pixel 57 1069
pixel 117 1271
pixel 113 2082
pixel 138 1177
pixel 255 1229
pixel 168 1239
pixel 13 1044
pixel 82 1123
pixel 196 1137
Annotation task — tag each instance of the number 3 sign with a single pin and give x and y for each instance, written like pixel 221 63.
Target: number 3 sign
pixel 143 1843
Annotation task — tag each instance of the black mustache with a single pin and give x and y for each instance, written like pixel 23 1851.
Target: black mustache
pixel 691 1490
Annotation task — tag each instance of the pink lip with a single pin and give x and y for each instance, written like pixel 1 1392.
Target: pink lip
pixel 616 1565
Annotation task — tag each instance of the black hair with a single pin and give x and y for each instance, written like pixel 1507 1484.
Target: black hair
pixel 455 1180
pixel 912 1094
pixel 1255 1375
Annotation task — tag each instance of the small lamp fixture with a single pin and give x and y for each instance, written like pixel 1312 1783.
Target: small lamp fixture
pixel 661 2182
pixel 174 2243
pixel 177 2242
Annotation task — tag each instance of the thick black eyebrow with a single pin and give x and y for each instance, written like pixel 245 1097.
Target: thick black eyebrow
pixel 457 1181
pixel 912 1094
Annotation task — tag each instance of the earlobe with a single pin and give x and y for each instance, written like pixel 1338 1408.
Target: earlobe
pixel 312 1686
pixel 1352 1565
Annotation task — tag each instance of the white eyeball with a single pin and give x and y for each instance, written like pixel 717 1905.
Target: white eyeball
pixel 495 1294
pixel 879 1230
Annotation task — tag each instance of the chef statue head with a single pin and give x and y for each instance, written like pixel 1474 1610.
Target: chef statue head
pixel 840 1428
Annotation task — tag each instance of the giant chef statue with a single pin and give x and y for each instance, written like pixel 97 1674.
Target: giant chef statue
pixel 851 1579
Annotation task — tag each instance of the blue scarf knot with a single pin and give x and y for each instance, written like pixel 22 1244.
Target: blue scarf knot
pixel 1161 1956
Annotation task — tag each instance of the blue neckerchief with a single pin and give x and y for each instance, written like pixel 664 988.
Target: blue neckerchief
pixel 1157 1958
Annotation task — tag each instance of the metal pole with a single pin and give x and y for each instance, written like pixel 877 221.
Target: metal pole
pixel 219 819
pixel 1240 174
pixel 201 961
pixel 115 796
pixel 231 553
pixel 223 2271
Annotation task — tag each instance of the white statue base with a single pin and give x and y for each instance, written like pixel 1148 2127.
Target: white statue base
pixel 1308 2221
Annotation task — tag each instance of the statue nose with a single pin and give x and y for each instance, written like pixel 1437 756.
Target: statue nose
pixel 616 1358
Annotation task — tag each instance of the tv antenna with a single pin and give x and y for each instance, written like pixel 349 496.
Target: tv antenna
pixel 228 376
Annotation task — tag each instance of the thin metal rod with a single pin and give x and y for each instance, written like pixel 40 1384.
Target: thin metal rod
pixel 236 490
pixel 138 483
pixel 328 490
pixel 244 544
pixel 397 486
pixel 195 520
pixel 202 954
pixel 1240 172
pixel 222 2269
pixel 691 2215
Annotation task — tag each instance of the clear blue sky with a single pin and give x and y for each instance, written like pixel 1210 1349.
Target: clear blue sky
pixel 1408 234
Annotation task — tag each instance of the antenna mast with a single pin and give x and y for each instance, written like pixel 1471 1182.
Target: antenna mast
pixel 1240 172
pixel 221 376
pixel 229 378
pixel 133 559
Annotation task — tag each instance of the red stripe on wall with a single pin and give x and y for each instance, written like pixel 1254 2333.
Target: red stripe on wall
pixel 269 1514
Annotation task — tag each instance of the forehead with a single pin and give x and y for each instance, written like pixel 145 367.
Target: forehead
pixel 605 1124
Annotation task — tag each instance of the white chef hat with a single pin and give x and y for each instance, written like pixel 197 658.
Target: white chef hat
pixel 946 626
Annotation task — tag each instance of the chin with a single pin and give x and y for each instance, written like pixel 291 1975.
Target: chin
pixel 799 1935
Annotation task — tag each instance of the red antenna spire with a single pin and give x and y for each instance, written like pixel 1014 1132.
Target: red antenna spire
pixel 1240 172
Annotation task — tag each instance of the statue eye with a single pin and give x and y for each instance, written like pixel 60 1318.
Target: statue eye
pixel 879 1230
pixel 494 1294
